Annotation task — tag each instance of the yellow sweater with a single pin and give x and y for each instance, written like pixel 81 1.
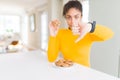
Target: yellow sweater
pixel 77 52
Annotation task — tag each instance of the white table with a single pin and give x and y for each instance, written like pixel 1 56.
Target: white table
pixel 34 66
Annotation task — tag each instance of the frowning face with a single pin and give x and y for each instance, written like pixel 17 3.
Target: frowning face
pixel 73 17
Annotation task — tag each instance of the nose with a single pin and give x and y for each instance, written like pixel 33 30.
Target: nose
pixel 72 21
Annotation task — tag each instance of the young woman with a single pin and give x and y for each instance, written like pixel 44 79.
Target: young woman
pixel 76 41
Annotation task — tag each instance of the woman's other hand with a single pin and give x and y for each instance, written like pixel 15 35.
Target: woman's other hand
pixel 84 29
pixel 54 27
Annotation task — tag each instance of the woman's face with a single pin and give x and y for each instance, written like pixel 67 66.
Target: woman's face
pixel 73 17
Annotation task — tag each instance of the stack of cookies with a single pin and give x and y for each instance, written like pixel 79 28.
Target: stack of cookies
pixel 63 63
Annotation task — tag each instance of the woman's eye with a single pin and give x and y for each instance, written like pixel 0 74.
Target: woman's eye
pixel 76 17
pixel 68 17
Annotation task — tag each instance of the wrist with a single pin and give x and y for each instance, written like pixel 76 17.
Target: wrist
pixel 89 27
pixel 53 34
pixel 93 24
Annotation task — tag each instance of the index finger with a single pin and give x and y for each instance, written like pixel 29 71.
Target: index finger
pixel 56 23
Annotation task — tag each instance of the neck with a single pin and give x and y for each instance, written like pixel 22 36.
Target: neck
pixel 69 28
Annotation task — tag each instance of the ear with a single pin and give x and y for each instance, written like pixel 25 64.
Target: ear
pixel 81 15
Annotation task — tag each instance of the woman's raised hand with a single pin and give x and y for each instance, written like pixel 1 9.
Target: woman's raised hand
pixel 54 27
pixel 84 29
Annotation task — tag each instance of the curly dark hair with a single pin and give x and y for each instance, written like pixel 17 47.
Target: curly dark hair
pixel 72 4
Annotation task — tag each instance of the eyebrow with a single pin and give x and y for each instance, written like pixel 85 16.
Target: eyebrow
pixel 74 15
pixel 77 14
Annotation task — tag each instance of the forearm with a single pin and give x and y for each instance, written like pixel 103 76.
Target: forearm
pixel 53 48
pixel 101 33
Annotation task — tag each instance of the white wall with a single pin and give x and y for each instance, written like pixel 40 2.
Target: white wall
pixel 34 37
pixel 55 8
pixel 13 10
pixel 104 55
pixel 54 12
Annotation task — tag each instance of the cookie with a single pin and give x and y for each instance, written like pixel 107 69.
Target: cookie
pixel 63 63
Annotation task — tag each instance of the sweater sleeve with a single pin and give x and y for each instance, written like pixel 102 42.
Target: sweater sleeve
pixel 101 33
pixel 53 48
